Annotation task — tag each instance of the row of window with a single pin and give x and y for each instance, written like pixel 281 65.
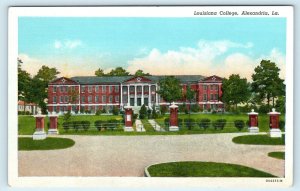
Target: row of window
pixel 89 99
pixel 63 89
pixel 211 87
pixel 97 88
pixel 212 97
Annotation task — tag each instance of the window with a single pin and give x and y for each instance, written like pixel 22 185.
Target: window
pixel 54 99
pixel 211 96
pixel 82 89
pixel 90 89
pixel 216 96
pixel 110 89
pixel 103 89
pixel 104 99
pixel 146 88
pixel 211 87
pixel 216 87
pixel 116 88
pixel 96 99
pixel 131 89
pixel 152 98
pixel 61 109
pixel 73 88
pixel 139 88
pixel 117 98
pixel 82 99
pixel 204 97
pixel 152 88
pixel 204 87
pixel 96 89
pixel 96 108
pixel 66 89
pixel 66 99
pixel 54 108
pixel 110 99
pixel 54 89
pixel 90 99
pixel 61 99
pixel 61 89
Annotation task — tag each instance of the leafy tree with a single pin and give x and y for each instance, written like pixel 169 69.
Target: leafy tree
pixel 24 83
pixel 267 84
pixel 280 104
pixel 118 71
pixel 141 73
pixel 99 72
pixel 235 90
pixel 143 112
pixel 39 84
pixel 170 89
pixel 74 95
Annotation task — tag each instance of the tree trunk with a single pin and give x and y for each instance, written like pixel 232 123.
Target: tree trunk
pixel 273 102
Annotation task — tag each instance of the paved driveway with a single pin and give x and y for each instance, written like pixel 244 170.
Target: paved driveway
pixel 129 155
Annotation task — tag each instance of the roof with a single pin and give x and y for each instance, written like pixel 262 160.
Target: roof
pixel 120 79
pixel 20 102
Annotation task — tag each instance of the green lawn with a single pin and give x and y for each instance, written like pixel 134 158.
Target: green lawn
pixel 26 125
pixel 204 169
pixel 50 143
pixel 278 155
pixel 259 140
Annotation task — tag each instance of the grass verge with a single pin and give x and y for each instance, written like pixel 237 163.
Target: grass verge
pixel 259 140
pixel 204 169
pixel 50 143
pixel 278 155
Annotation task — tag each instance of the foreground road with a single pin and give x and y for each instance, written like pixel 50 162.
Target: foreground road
pixel 129 155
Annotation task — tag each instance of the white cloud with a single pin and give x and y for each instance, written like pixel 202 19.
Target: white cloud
pixel 204 59
pixel 66 44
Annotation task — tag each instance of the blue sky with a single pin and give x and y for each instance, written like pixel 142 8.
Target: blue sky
pixel 145 43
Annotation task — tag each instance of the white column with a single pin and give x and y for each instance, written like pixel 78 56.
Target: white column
pixel 79 99
pixel 142 94
pixel 156 95
pixel 128 96
pixel 135 95
pixel 121 97
pixel 149 95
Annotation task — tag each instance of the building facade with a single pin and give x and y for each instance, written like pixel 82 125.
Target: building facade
pixel 81 94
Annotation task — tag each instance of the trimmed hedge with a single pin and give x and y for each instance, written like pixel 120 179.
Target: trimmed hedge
pixel 239 124
pixel 204 123
pixel 76 125
pixel 219 124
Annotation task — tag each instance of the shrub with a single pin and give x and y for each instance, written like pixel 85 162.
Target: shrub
pixel 135 116
pixel 163 109
pixel 247 123
pixel 149 113
pixel 27 112
pixel 98 124
pixel 167 121
pixel 98 112
pixel 66 126
pixel 195 108
pixel 154 114
pixel 67 116
pixel 103 110
pixel 143 112
pixel 189 123
pixel 181 108
pixel 219 124
pixel 282 125
pixel 77 125
pixel 180 122
pixel 204 123
pixel 214 112
pixel 239 124
pixel 263 108
pixel 115 110
pixel 85 125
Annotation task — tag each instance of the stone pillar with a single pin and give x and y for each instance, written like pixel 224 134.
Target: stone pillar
pixel 173 117
pixel 274 124
pixel 128 96
pixel 39 133
pixel 121 97
pixel 253 122
pixel 142 97
pixel 53 124
pixel 149 96
pixel 128 117
pixel 135 96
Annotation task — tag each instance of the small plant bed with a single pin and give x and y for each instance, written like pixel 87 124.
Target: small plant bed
pixel 50 143
pixel 204 169
pixel 259 140
pixel 278 155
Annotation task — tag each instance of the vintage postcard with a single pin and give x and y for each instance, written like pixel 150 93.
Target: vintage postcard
pixel 183 96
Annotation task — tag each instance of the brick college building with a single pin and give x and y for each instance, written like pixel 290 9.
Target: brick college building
pixel 94 93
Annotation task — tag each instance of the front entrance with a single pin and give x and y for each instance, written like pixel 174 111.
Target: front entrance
pixel 146 101
pixel 139 101
pixel 131 101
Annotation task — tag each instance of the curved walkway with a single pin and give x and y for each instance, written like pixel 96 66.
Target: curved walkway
pixel 129 155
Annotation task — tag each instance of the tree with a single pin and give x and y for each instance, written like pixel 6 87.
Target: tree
pixel 170 89
pixel 235 90
pixel 267 84
pixel 24 81
pixel 141 73
pixel 118 71
pixel 99 72
pixel 39 84
pixel 143 112
pixel 189 95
